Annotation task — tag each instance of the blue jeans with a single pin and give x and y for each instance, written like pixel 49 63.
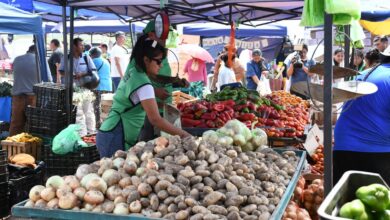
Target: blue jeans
pixel 115 82
pixel 108 142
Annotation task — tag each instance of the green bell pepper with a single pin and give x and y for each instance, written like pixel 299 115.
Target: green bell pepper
pixel 355 210
pixel 375 196
pixel 384 215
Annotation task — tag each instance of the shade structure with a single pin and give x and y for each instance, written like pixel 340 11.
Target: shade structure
pixel 197 52
pixel 16 21
pixel 377 28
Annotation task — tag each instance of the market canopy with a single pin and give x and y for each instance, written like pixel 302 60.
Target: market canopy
pixel 104 26
pixel 187 11
pixel 213 30
pixel 375 17
pixel 16 21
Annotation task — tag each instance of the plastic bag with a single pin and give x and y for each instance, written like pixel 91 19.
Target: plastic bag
pixel 313 13
pixel 68 140
pixel 263 87
pixel 346 8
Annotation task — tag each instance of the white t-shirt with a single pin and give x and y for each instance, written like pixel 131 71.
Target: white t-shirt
pixel 143 93
pixel 226 76
pixel 122 53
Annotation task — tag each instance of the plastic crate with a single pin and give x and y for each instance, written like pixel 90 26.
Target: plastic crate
pixel 46 121
pixel 3 161
pixel 67 164
pixel 50 96
pixel 4 203
pixel 13 148
pixel 20 211
pixel 21 181
pixel 344 191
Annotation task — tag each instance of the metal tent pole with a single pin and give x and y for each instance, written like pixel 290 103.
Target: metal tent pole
pixel 347 45
pixel 66 66
pixel 131 34
pixel 70 79
pixel 328 97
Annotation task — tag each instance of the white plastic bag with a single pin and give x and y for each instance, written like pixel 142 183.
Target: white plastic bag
pixel 263 87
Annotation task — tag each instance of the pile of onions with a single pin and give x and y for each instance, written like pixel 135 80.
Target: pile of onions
pixel 294 212
pixel 298 192
pixel 313 197
pixel 318 157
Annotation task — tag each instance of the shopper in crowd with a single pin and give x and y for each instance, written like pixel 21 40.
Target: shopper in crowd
pixel 298 66
pixel 226 73
pixel 372 58
pixel 238 69
pixel 163 91
pixel 105 84
pixel 338 57
pixel 362 140
pixel 25 76
pixel 55 60
pixel 105 54
pixel 135 99
pixel 358 62
pixel 82 65
pixel 119 58
pixel 87 47
pixel 195 70
pixel 255 69
pixel 381 43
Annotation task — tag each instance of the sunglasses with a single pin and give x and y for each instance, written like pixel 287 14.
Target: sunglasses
pixel 158 61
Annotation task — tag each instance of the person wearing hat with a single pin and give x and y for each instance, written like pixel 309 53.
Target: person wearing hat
pixel 134 100
pixel 361 135
pixel 238 69
pixel 119 59
pixel 255 69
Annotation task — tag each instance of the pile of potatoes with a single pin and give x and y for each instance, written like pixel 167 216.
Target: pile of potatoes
pixel 175 179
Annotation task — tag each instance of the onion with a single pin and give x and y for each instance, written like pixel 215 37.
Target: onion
pixel 144 189
pixel 83 170
pixel 80 192
pixel 135 207
pixel 55 182
pixel 97 209
pixel 87 178
pixel 108 206
pixel 130 167
pixel 132 157
pixel 35 193
pixel 152 165
pixel 125 182
pixel 121 209
pixel 119 199
pixel 53 204
pixel 94 197
pixel 146 156
pixel 120 154
pixel 48 194
pixel 158 149
pixel 118 162
pixel 29 204
pixel 97 183
pixel 105 164
pixel 111 177
pixel 64 189
pixel 40 204
pixel 161 141
pixel 72 181
pixel 88 207
pixel 113 192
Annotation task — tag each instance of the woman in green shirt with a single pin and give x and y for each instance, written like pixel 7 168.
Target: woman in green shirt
pixel 133 100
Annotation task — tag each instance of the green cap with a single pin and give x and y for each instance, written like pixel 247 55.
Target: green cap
pixel 149 27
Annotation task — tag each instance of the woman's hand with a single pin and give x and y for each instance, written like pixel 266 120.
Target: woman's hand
pixel 161 93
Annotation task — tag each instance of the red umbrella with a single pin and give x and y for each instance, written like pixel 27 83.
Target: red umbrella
pixel 197 52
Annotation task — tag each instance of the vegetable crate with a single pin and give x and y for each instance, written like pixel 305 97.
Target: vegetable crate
pixel 181 97
pixel 3 161
pixel 13 148
pixel 21 184
pixel 344 191
pixel 4 203
pixel 67 164
pixel 46 121
pixel 50 96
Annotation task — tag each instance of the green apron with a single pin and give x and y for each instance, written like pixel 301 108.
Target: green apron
pixel 123 109
pixel 164 71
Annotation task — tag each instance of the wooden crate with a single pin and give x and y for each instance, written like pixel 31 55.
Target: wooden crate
pixel 13 148
pixel 181 97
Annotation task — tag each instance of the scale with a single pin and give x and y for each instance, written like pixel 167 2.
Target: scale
pixel 161 25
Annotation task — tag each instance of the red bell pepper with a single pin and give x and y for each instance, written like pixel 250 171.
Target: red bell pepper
pixel 239 108
pixel 202 124
pixel 199 106
pixel 199 113
pixel 222 117
pixel 228 117
pixel 185 115
pixel 229 103
pixel 230 112
pixel 188 110
pixel 210 124
pixel 247 117
pixel 209 116
pixel 180 106
pixel 219 123
pixel 248 124
pixel 227 107
pixel 251 106
pixel 186 122
pixel 218 107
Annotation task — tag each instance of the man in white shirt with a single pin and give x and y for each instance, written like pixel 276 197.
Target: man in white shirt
pixel 226 74
pixel 119 59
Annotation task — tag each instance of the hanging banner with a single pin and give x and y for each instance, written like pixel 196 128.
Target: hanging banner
pixel 25 5
pixel 250 45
